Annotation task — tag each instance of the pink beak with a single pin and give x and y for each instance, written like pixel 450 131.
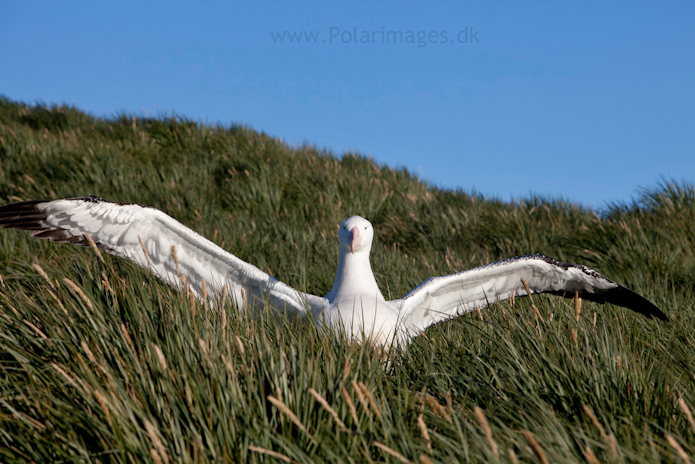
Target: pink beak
pixel 354 239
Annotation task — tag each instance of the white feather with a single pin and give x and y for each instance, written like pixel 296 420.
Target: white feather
pixel 120 228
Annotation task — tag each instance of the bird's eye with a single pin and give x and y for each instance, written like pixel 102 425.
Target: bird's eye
pixel 365 227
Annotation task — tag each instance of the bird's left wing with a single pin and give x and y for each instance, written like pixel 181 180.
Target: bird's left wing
pixel 127 230
pixel 440 298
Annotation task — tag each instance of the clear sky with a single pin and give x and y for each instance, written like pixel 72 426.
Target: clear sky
pixel 589 101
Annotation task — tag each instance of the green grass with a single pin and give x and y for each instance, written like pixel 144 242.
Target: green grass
pixel 82 379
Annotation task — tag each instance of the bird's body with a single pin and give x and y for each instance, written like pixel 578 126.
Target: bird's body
pixel 355 305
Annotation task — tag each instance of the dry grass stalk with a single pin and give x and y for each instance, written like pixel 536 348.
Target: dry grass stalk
pixel 686 411
pixel 27 418
pixel 437 408
pixel 372 402
pixel 613 444
pixel 275 454
pixel 223 301
pixel 124 331
pixel 346 368
pixel 392 452
pixel 107 285
pixel 35 329
pixel 184 284
pixel 60 303
pixel 288 412
pixel 104 407
pixel 317 396
pixel 93 246
pixel 43 274
pixel 423 335
pixel 88 352
pixel 144 250
pixel 176 260
pixel 535 446
pixel 156 441
pixel 155 456
pixel 65 375
pixel 206 353
pixel 79 292
pixel 14 310
pixel 538 313
pixel 351 405
pixel 240 345
pixel 423 430
pixel 420 398
pixel 528 290
pixel 361 397
pixel 160 356
pixel 205 295
pixel 189 395
pixel 488 431
pixel 574 337
pixel 577 305
pixel 590 456
pixel 424 459
pixel 191 303
pixel 677 447
pixel 593 324
pixel 512 456
pixel 595 421
pixel 620 363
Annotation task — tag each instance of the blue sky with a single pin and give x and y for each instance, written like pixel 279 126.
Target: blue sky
pixel 588 101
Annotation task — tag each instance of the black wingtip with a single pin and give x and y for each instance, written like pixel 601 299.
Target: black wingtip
pixel 24 215
pixel 622 296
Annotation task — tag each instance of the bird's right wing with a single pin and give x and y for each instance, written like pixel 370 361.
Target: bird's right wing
pixel 127 230
pixel 441 298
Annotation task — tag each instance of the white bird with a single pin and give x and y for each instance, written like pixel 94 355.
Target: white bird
pixel 157 242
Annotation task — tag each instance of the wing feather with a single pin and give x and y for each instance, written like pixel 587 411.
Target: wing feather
pixel 440 298
pixel 123 229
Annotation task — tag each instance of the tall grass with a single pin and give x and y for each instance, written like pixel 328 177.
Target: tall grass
pixel 105 363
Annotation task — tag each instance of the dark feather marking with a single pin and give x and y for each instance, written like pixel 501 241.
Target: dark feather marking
pixel 24 226
pixel 9 219
pixel 52 234
pixel 26 215
pixel 561 264
pixel 619 296
pixel 623 297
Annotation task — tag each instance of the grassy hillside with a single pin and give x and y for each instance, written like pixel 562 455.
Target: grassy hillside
pixel 105 363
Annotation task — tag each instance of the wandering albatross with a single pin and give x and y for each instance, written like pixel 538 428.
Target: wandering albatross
pixel 354 304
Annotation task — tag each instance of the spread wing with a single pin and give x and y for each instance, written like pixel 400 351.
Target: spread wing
pixel 127 230
pixel 440 298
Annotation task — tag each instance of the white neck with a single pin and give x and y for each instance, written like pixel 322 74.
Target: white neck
pixel 354 278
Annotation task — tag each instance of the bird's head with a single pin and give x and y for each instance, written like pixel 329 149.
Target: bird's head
pixel 356 235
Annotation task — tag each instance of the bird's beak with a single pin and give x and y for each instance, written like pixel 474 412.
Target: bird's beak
pixel 354 239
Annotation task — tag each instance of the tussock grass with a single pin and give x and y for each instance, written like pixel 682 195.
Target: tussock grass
pixel 102 362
